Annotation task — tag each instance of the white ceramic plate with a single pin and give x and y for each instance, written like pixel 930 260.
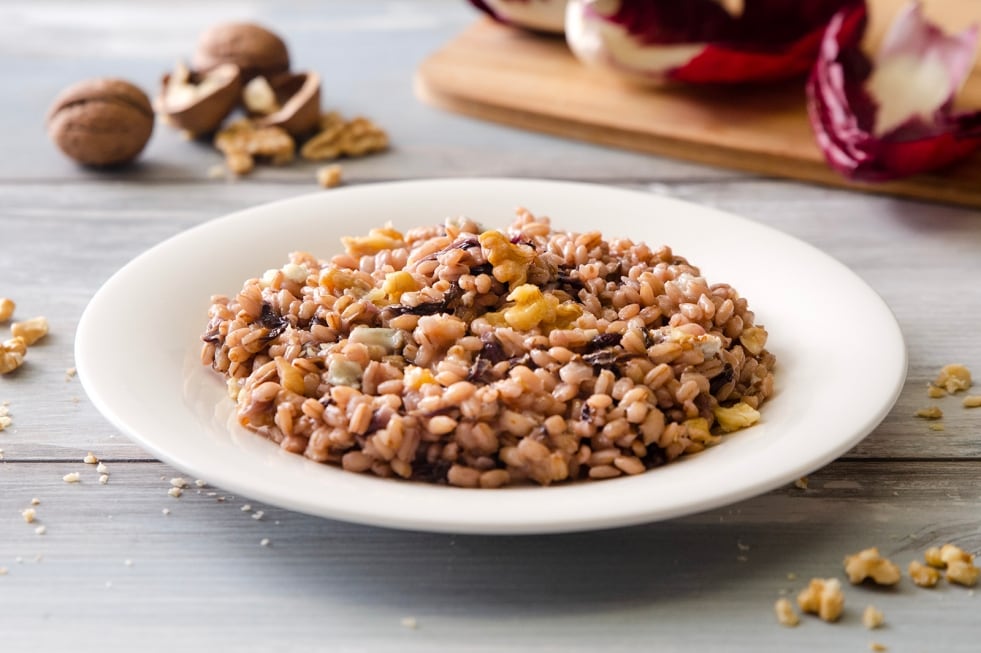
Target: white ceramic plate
pixel 840 356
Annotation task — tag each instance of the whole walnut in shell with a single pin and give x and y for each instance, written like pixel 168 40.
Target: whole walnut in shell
pixel 101 122
pixel 253 48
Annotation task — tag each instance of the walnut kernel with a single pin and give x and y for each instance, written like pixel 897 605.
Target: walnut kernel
pixel 953 378
pixel 869 564
pixel 785 613
pixel 338 137
pixel 962 573
pixel 930 412
pixel 329 176
pixel 872 617
pixel 923 575
pixel 7 307
pixel 30 330
pixel 823 597
pixel 12 354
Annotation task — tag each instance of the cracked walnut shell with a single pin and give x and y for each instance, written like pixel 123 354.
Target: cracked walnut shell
pixel 253 48
pixel 198 102
pixel 295 105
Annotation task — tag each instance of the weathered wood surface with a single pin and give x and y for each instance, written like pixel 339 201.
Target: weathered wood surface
pixel 200 578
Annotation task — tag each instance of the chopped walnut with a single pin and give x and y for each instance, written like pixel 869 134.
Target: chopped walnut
pixel 90 459
pixel 29 514
pixel 339 137
pixel 937 426
pixel 972 401
pixel 923 575
pixel 935 392
pixel 30 330
pixel 329 176
pixel 178 481
pixel 823 597
pixel 7 307
pixel 510 261
pixel 785 613
pixel 12 354
pixel 869 564
pixel 962 573
pixel 735 417
pixel 872 617
pixel 801 483
pixel 753 339
pixel 952 553
pixel 930 412
pixel 953 378
pixel 72 477
pixel 242 141
pixel 5 420
pixel 175 492
pixel 876 646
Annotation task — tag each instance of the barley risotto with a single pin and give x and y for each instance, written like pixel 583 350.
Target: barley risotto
pixel 483 358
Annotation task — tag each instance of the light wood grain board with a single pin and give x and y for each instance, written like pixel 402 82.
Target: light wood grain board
pixel 533 82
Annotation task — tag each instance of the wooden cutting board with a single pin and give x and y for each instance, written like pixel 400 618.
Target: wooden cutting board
pixel 532 81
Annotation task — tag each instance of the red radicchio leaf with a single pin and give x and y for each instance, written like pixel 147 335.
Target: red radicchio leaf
pixel 701 41
pixel 892 118
pixel 537 15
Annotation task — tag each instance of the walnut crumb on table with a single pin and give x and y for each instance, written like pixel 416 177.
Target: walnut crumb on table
pixel 872 617
pixel 7 307
pixel 930 412
pixel 30 330
pixel 12 354
pixel 72 477
pixel 823 597
pixel 953 378
pixel 785 613
pixel 90 459
pixel 178 482
pixel 330 176
pixel 175 492
pixel 102 469
pixel 868 564
pixel 923 575
pixel 29 514
pixel 876 646
pixel 972 401
pixel 801 483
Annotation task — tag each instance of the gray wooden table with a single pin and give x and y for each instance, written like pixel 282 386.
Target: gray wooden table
pixel 113 572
